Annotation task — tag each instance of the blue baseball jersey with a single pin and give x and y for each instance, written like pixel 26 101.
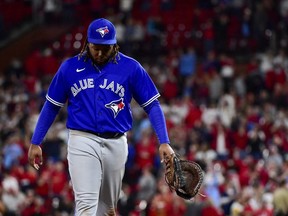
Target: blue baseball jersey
pixel 98 98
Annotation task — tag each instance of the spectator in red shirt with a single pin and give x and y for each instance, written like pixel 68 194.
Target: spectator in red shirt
pixel 166 203
pixel 32 64
pixel 240 139
pixel 221 140
pixel 49 63
pixel 59 178
pixel 145 150
pixel 170 87
pixel 209 209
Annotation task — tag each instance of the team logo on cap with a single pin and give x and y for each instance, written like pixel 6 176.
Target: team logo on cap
pixel 103 31
pixel 116 106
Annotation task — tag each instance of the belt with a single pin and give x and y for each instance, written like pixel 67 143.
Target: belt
pixel 106 135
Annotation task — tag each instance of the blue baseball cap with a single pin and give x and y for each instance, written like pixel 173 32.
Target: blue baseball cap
pixel 101 31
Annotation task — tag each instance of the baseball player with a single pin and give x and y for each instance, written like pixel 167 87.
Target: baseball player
pixel 98 85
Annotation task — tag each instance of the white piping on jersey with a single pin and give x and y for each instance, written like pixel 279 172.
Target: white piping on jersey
pixel 54 102
pixel 151 100
pixel 95 66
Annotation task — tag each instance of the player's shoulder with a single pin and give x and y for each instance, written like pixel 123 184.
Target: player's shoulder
pixel 129 61
pixel 71 60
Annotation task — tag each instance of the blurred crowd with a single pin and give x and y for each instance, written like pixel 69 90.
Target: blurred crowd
pixel 223 79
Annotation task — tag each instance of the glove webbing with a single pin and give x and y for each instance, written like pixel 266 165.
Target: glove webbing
pixel 178 174
pixel 183 194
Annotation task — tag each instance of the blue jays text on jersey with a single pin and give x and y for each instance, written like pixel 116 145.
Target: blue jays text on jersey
pixel 89 83
pixel 99 99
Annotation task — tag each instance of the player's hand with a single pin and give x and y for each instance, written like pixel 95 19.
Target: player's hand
pixel 35 156
pixel 165 150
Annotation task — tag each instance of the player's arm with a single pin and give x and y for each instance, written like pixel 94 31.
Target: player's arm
pixel 46 118
pixel 158 122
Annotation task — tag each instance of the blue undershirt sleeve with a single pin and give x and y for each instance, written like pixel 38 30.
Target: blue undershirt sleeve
pixel 46 118
pixel 157 120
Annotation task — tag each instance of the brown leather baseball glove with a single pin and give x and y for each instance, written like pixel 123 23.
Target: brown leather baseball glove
pixel 183 176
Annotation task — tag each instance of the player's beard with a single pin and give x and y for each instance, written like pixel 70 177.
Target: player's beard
pixel 102 60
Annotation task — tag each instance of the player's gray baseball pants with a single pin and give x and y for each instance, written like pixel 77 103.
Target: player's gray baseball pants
pixel 96 167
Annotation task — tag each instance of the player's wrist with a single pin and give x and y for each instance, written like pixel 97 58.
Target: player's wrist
pixel 36 144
